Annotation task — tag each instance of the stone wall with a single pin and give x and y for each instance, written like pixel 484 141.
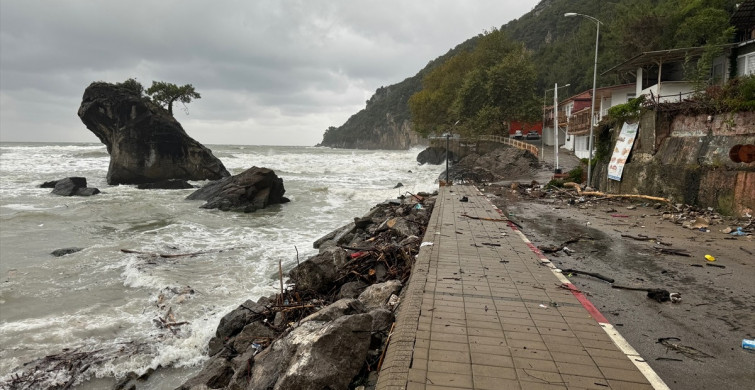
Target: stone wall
pixel 686 159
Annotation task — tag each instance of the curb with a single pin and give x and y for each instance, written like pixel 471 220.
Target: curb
pixel 610 330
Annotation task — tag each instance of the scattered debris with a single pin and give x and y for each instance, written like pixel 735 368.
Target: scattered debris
pixel 593 274
pixel 670 251
pixel 687 351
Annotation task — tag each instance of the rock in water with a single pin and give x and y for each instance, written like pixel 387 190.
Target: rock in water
pixel 434 155
pixel 253 189
pixel 146 144
pixel 72 186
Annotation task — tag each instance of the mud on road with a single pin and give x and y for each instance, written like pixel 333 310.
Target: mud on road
pixel 692 344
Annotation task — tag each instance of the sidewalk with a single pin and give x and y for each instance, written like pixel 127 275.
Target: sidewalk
pixel 485 311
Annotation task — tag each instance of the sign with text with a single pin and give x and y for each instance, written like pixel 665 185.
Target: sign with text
pixel 621 151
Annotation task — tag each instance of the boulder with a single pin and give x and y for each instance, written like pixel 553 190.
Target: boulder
pixel 377 295
pixel 65 251
pixel 216 374
pixel 233 323
pixel 171 184
pixel 146 144
pixel 434 155
pixel 381 319
pixel 320 272
pixel 253 189
pixel 316 355
pixel 73 186
pixel 352 289
pixel 337 309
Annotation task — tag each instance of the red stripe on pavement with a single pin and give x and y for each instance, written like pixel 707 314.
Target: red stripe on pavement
pixel 587 304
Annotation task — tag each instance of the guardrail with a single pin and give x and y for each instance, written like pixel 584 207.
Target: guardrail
pixel 463 146
pixel 513 142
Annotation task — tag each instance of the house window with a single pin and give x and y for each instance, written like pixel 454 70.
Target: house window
pixel 631 96
pixel 746 64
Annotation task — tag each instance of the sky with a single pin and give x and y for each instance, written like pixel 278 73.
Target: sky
pixel 270 72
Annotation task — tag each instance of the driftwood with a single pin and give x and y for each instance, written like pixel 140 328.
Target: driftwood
pixel 659 294
pixel 593 274
pixel 646 238
pixel 687 351
pixel 486 219
pixel 171 256
pixel 556 248
pixel 609 196
pixel 671 251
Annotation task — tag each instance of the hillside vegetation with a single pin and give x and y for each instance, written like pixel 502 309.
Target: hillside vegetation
pixel 550 48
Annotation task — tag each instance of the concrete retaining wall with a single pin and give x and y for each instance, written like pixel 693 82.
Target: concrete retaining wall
pixel 686 159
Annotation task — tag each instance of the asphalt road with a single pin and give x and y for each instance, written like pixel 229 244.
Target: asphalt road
pixel 717 309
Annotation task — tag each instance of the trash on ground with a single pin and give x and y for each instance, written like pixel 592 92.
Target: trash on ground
pixel 710 258
pixel 687 351
pixel 748 344
pixel 593 274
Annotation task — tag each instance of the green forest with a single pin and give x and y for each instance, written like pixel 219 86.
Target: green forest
pixel 500 75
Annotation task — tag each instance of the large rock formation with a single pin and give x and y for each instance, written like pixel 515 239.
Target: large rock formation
pixel 146 144
pixel 253 189
pixel 383 124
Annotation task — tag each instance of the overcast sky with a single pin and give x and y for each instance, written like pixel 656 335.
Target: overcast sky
pixel 270 72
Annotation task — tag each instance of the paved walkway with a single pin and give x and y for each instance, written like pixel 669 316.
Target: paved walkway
pixel 485 311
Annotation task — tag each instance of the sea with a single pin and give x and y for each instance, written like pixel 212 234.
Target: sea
pixel 110 306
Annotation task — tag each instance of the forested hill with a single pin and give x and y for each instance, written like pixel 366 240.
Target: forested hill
pixel 562 50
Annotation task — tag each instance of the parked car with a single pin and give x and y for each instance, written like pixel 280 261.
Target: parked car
pixel 533 135
pixel 518 134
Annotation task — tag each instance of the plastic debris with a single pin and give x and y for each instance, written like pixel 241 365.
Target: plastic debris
pixel 738 232
pixel 748 344
pixel 426 243
pixel 710 258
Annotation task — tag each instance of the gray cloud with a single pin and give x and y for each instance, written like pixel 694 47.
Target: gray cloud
pixel 269 71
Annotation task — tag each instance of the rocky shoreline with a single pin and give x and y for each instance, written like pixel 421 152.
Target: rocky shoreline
pixel 330 323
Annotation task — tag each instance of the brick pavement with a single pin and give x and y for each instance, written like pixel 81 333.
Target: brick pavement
pixel 485 311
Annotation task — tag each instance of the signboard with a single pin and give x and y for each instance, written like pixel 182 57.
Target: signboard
pixel 621 151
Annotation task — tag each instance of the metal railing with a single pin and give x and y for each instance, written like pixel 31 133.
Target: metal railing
pixel 463 146
pixel 513 142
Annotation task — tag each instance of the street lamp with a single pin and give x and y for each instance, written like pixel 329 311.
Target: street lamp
pixel 545 93
pixel 592 106
pixel 448 136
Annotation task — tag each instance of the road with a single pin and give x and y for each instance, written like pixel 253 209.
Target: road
pixel 717 309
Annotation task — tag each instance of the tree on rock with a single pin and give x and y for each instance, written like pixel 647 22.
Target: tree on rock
pixel 165 94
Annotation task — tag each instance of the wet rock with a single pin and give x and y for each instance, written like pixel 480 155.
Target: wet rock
pixel 337 309
pixel 434 155
pixel 381 319
pixel 146 144
pixel 233 322
pixel 254 332
pixel 320 272
pixel 253 189
pixel 216 374
pixel 316 355
pixel 377 295
pixel 65 251
pixel 73 186
pixel 172 184
pixel 352 289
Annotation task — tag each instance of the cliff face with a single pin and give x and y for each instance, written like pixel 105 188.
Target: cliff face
pixel 383 124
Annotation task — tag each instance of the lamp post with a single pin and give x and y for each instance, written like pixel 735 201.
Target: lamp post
pixel 448 136
pixel 592 106
pixel 555 122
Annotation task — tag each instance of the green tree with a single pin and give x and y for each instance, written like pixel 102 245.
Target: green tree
pixel 165 94
pixel 483 89
pixel 134 86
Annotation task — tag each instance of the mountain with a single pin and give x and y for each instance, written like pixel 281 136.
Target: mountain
pixel 563 51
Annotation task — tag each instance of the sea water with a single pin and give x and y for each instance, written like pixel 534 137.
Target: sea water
pixel 103 299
